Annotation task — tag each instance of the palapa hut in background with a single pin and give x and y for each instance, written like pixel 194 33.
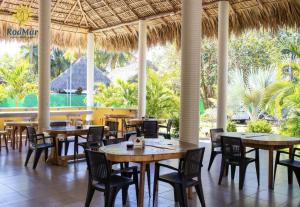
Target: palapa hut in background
pixel 115 22
pixel 78 74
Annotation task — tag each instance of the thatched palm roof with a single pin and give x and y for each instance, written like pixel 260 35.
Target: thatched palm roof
pixel 78 77
pixel 115 22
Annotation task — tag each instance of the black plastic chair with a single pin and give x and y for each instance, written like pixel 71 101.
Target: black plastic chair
pixel 290 163
pixel 233 154
pixel 103 179
pixel 94 138
pixel 65 141
pixel 128 130
pixel 183 177
pixel 37 143
pixel 215 145
pixel 150 129
pixel 168 127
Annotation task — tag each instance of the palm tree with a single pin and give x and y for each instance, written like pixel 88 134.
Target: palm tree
pixel 248 94
pixel 17 82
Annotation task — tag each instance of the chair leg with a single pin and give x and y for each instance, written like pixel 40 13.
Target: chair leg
pixel 89 195
pixel 177 195
pixel 46 155
pixel 148 179
pixel 113 195
pixel 276 163
pixel 211 159
pixel 6 143
pixel 67 143
pixel 28 156
pixel 223 166
pixel 199 191
pixel 232 171
pixel 60 143
pixel 297 173
pixel 184 196
pixel 124 195
pixel 242 175
pixel 37 156
pixel 156 174
pixel 257 165
pixel 0 142
pixel 136 183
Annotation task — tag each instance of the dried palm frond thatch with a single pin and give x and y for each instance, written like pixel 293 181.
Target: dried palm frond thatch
pixel 115 22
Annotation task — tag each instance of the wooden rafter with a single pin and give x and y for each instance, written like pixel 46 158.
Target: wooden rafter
pixel 90 6
pixel 169 2
pixel 260 3
pixel 112 11
pixel 55 5
pixel 83 14
pixel 72 9
pixel 150 5
pixel 2 3
pixel 231 8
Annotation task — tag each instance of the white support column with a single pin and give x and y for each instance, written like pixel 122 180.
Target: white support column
pixel 223 33
pixel 44 63
pixel 90 74
pixel 190 70
pixel 142 76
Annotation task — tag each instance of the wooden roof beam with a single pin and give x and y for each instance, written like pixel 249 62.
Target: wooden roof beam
pixel 260 3
pixel 83 14
pixel 96 13
pixel 130 8
pixel 55 5
pixel 112 11
pixel 72 9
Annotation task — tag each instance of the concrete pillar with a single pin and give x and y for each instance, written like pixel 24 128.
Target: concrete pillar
pixel 142 76
pixel 190 70
pixel 223 33
pixel 90 74
pixel 44 63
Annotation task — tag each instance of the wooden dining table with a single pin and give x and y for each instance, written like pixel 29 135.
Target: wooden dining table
pixel 269 142
pixel 19 126
pixel 155 150
pixel 64 132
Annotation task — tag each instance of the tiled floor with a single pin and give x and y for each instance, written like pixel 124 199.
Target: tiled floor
pixel 66 186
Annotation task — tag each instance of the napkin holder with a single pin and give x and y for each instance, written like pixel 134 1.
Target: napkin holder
pixel 138 143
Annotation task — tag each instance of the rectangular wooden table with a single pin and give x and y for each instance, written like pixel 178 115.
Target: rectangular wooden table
pixel 268 142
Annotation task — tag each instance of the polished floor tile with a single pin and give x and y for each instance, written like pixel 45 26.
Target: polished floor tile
pixel 53 186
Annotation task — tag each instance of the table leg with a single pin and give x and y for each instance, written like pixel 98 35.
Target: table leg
pixel 271 182
pixel 20 141
pixel 14 130
pixel 290 171
pixel 142 185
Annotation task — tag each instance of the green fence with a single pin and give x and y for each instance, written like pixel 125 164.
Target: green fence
pixel 55 101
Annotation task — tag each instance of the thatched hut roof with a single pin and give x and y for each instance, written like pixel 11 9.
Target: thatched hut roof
pixel 78 77
pixel 115 22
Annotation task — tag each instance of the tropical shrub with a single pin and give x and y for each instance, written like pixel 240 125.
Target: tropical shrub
pixel 291 126
pixel 259 126
pixel 231 127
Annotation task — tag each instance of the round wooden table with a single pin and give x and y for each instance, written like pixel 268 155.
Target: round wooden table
pixel 268 142
pixel 155 150
pixel 19 126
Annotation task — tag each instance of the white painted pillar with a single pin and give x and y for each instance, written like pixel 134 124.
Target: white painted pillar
pixel 90 74
pixel 142 75
pixel 223 33
pixel 190 70
pixel 44 63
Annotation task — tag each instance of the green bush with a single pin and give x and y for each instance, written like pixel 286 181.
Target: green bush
pixel 259 126
pixel 175 131
pixel 231 127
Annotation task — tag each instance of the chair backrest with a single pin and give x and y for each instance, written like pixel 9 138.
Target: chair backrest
pixel 98 166
pixel 232 148
pixel 192 163
pixel 214 135
pixel 169 125
pixel 150 129
pixel 31 135
pixel 113 125
pixel 58 124
pixel 95 135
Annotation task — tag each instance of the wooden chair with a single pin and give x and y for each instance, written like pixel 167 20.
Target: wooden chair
pixel 103 179
pixel 215 145
pixel 150 129
pixel 166 135
pixel 94 138
pixel 4 135
pixel 234 154
pixel 37 144
pixel 183 177
pixel 290 163
pixel 128 130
